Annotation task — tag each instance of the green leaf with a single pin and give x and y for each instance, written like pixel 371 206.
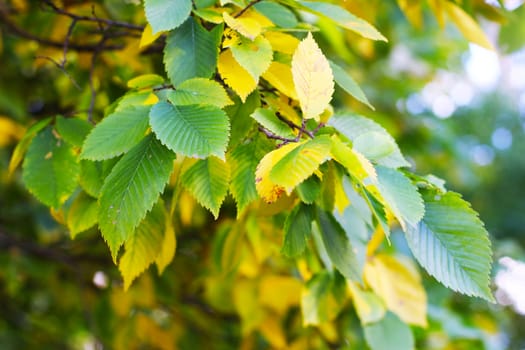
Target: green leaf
pixel 145 81
pixel 82 214
pixel 452 244
pixel 131 190
pixel 239 114
pixel 309 189
pixel 200 91
pixel 369 138
pixel 23 145
pixel 166 15
pixel 322 298
pixel 401 196
pixel 356 221
pixel 92 175
pixel 269 120
pixel 338 247
pixel 194 131
pixel 280 15
pixel 297 228
pixel 300 162
pixel 208 180
pixel 116 134
pixel 388 334
pixel 347 83
pixel 191 51
pixel 243 161
pixel 254 56
pixel 73 130
pixel 343 18
pixel 50 169
pixel 143 246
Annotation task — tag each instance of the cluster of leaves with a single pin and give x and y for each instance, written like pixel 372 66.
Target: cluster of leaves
pixel 245 110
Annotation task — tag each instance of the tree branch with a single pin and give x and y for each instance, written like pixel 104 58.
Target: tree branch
pixel 253 2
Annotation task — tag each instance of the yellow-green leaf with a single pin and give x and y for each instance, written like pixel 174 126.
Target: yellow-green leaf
pixel 143 246
pixel 467 25
pixel 169 245
pixel 313 78
pixel 247 27
pixel 400 288
pixel 369 307
pixel 148 37
pixel 300 163
pixel 235 76
pixel 82 214
pixel 279 75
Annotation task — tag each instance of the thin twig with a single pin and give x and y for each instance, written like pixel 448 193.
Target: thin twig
pixel 61 67
pixel 253 2
pixel 96 19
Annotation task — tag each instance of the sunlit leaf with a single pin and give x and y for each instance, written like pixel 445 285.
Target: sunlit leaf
pixel 235 76
pixel 248 27
pixel 301 162
pixel 254 56
pixel 280 76
pixel 467 25
pixel 148 37
pixel 313 79
pixel 343 18
pixel 399 287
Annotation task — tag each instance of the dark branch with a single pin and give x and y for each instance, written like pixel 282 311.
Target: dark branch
pixel 94 18
pixel 253 2
pixel 15 30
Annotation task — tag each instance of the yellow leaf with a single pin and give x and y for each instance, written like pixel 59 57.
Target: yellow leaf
pixel 437 8
pixel 169 246
pixel 148 37
pixel 10 131
pixel 467 25
pixel 247 305
pixel 368 306
pixel 313 78
pixel 282 42
pixel 375 241
pixel 235 76
pixel 273 331
pixel 246 26
pixel 300 162
pixel 356 164
pixel 280 292
pixel 151 100
pixel 266 188
pixel 413 12
pixel 280 76
pixel 400 288
pixel 341 201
